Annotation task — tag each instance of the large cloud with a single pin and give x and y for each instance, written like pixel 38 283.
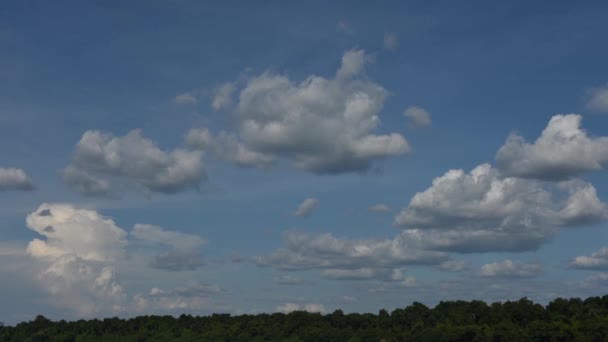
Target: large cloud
pixel 15 179
pixel 102 162
pixel 76 255
pixel 482 211
pixel 563 150
pixel 321 125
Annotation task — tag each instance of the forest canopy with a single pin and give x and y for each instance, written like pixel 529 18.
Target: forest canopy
pixel 523 320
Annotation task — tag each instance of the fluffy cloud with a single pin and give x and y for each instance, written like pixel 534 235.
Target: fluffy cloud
pixel 100 159
pixel 185 99
pixel 183 252
pixel 482 211
pixel 347 257
pixel 563 150
pixel 511 269
pixel 290 307
pixel 380 208
pixel 596 261
pixel 320 125
pixel 391 41
pixel 598 99
pixel 306 207
pixel 418 116
pixel 80 244
pixel 71 231
pixel 15 179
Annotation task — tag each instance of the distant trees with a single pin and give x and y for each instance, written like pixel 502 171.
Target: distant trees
pixel 561 320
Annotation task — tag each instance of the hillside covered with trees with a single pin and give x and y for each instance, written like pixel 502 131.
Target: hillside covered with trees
pixel 522 320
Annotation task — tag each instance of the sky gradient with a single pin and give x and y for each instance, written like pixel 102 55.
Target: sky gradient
pixel 166 157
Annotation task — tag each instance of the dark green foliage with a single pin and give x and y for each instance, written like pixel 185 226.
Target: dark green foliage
pixel 522 320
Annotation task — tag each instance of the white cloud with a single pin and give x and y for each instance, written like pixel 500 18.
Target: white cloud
pixel 306 207
pixel 380 208
pixel 391 41
pixel 511 269
pixel 101 161
pixel 72 231
pixel 596 261
pixel 15 179
pixel 563 151
pixel 320 125
pixel 480 211
pixel 598 99
pixel 76 255
pixel 185 99
pixel 418 116
pixel 222 96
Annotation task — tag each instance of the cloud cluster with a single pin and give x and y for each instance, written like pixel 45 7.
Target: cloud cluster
pixel 564 150
pixel 596 261
pixel 482 211
pixel 511 269
pixel 101 163
pixel 15 179
pixel 321 125
pixel 347 258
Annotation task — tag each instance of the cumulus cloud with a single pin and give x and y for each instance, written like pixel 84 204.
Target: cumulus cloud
pixel 596 261
pixel 564 150
pixel 598 99
pixel 185 99
pixel 380 208
pixel 15 179
pixel 511 269
pixel 418 116
pixel 306 207
pixel 72 231
pixel 76 254
pixel 343 257
pixel 183 252
pixel 482 211
pixel 391 41
pixel 323 125
pixel 101 161
pixel 222 96
pixel 290 307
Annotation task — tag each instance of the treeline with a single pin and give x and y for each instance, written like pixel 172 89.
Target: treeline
pixel 522 320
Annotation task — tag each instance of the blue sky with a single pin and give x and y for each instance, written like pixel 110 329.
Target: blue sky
pixel 167 157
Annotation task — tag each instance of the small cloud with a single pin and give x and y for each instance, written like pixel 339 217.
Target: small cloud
pixel 511 269
pixel 391 41
pixel 185 99
pixel 380 208
pixel 598 99
pixel 418 116
pixel 222 96
pixel 289 280
pixel 344 27
pixel 15 179
pixel 306 207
